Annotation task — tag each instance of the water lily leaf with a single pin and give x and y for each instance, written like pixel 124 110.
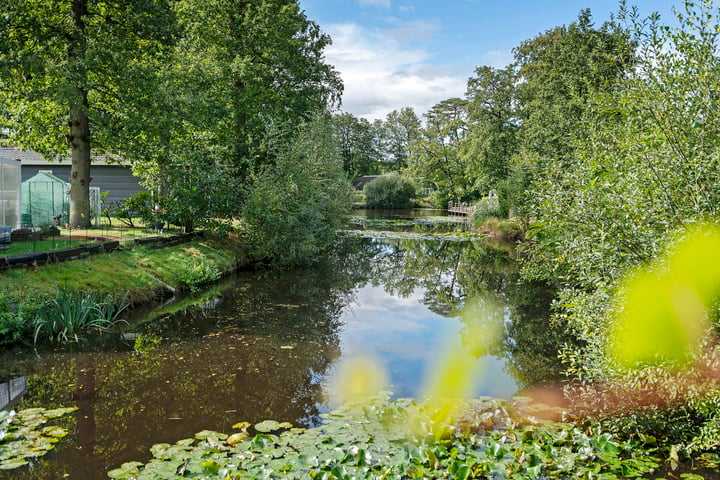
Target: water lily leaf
pixel 12 464
pixel 268 426
pixel 126 471
pixel 58 412
pixel 205 434
pixel 54 431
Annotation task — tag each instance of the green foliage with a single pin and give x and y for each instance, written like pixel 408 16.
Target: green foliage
pixel 376 440
pixel 136 206
pixel 23 438
pixel 198 191
pixel 17 315
pixel 389 191
pixel 485 208
pixel 398 132
pixel 359 149
pixel 71 314
pixel 198 274
pixel 146 343
pixel 492 141
pixel 298 204
pixel 560 70
pixel 436 150
pixel 640 171
pixel 80 85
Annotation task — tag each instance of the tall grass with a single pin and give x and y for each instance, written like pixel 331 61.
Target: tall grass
pixel 71 314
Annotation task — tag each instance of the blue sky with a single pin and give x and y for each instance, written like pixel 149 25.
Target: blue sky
pixel 397 53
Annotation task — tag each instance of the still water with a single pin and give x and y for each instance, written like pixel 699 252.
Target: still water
pixel 270 344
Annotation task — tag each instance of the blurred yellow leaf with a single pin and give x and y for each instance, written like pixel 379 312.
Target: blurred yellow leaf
pixel 663 313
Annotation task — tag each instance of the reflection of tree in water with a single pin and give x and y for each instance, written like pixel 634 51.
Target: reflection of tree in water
pixel 258 353
pixel 260 348
pixel 480 283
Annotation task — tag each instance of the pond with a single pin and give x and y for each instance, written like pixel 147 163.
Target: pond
pixel 273 345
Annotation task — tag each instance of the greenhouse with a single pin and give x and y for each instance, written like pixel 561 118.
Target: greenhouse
pixel 9 197
pixel 46 200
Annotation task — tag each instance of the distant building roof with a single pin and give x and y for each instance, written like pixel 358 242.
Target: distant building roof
pixel 28 157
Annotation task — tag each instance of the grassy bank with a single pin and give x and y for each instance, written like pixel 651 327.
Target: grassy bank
pixel 141 274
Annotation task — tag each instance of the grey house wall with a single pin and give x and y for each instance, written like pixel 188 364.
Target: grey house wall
pixel 117 180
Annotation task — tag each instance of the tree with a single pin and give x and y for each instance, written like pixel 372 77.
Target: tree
pixel 492 126
pixel 436 153
pixel 66 67
pixel 559 71
pixel 358 145
pixel 244 74
pixel 297 205
pixel 647 166
pixel 400 129
pixel 263 60
pixel 389 191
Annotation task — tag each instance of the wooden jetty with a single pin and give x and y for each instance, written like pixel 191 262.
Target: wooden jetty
pixel 11 392
pixel 459 208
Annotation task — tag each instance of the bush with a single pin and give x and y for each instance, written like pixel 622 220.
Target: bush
pixel 485 208
pixel 136 206
pixel 298 204
pixel 200 273
pixel 389 191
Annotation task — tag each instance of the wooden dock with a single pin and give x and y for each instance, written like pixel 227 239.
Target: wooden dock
pixel 11 392
pixel 459 208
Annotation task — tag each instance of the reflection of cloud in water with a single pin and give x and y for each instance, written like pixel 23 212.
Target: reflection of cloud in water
pixel 406 336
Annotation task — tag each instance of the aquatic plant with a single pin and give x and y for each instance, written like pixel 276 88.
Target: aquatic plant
pixel 23 436
pixel 73 313
pixel 372 440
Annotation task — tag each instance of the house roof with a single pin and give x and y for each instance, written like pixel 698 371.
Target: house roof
pixel 8 161
pixel 46 176
pixel 28 157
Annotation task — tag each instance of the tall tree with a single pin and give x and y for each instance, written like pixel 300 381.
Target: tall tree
pixel 436 153
pixel 492 125
pixel 67 66
pixel 559 71
pixel 264 62
pixel 357 138
pixel 400 129
pixel 243 76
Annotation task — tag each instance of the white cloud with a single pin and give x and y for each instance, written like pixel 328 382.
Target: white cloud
pixel 382 75
pixel 375 3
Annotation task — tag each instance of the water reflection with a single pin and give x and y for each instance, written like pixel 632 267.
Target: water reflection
pixel 266 344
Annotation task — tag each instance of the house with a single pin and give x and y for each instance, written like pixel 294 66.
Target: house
pixel 116 178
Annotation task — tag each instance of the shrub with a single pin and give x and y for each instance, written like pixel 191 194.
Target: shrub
pixel 133 207
pixel 298 204
pixel 485 208
pixel 17 317
pixel 200 273
pixel 389 191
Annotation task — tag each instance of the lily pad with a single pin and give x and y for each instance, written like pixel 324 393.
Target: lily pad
pixel 268 426
pixel 21 436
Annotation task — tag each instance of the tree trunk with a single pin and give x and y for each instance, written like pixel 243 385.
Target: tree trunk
pixel 79 140
pixel 79 137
